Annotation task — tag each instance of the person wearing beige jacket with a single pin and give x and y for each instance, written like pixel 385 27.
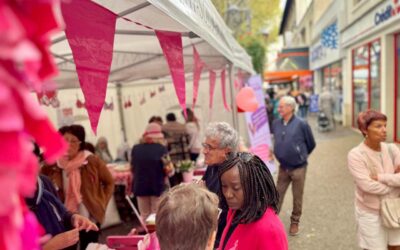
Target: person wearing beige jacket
pixel 375 167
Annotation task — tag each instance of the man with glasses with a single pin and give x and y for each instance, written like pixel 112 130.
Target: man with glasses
pixel 221 141
pixel 293 142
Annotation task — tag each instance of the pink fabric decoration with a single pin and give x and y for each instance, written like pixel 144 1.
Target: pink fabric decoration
pixel 90 32
pixel 72 168
pixel 171 44
pixel 224 89
pixel 213 77
pixel 25 62
pixel 198 67
pixel 30 230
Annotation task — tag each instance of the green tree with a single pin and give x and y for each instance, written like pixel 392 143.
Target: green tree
pixel 251 18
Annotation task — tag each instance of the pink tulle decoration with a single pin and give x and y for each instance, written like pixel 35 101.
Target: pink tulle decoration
pixel 30 231
pixel 25 62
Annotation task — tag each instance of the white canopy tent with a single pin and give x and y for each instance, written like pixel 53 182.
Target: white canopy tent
pixel 137 53
pixel 138 57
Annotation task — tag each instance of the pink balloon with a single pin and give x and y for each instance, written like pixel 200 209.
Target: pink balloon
pixel 246 100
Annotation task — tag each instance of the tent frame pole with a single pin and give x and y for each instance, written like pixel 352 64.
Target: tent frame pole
pixel 235 122
pixel 121 111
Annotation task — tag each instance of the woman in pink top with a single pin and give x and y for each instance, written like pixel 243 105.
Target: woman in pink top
pixel 375 167
pixel 249 191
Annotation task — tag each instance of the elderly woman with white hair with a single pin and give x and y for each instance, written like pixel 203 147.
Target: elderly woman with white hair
pixel 102 150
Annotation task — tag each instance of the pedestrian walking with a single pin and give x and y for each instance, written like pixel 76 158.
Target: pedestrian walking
pixel 293 143
pixel 326 105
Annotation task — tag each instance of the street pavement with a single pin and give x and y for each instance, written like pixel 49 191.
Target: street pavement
pixel 328 207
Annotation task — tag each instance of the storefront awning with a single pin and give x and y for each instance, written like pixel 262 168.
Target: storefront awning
pixel 274 77
pixel 291 64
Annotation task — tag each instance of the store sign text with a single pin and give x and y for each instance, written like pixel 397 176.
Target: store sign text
pixel 387 13
pixel 318 53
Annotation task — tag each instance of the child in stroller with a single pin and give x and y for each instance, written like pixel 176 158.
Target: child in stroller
pixel 323 122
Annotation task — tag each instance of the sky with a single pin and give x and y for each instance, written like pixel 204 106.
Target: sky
pixel 282 4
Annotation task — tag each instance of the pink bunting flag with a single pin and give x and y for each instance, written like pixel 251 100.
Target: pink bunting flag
pixel 213 77
pixel 90 32
pixel 223 74
pixel 171 44
pixel 198 67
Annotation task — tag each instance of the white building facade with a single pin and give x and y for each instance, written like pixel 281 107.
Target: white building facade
pixel 370 40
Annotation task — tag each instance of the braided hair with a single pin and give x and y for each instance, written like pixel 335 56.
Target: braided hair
pixel 259 190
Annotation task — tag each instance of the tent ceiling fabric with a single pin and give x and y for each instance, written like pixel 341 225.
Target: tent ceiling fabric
pixel 137 53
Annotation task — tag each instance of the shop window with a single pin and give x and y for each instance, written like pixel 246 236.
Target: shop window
pixel 397 86
pixel 375 55
pixel 332 80
pixel 366 78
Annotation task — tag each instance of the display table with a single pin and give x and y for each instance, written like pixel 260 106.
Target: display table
pixel 122 175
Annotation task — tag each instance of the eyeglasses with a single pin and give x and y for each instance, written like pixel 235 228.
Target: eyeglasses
pixel 208 146
pixel 72 141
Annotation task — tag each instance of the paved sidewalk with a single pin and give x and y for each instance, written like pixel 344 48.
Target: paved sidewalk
pixel 328 211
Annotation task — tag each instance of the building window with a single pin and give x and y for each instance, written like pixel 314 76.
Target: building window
pixel 397 86
pixel 366 65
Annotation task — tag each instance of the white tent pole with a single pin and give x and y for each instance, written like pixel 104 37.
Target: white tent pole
pixel 121 111
pixel 235 122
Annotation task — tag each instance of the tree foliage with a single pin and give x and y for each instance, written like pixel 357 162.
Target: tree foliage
pixel 253 17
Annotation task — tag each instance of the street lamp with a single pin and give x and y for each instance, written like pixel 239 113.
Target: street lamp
pixel 235 16
pixel 265 33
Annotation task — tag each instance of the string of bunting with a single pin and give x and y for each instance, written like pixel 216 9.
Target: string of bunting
pixel 93 59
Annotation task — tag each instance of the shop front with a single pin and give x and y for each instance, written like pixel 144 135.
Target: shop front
pixel 371 45
pixel 326 63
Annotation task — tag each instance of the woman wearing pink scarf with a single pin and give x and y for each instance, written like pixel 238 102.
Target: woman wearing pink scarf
pixel 82 180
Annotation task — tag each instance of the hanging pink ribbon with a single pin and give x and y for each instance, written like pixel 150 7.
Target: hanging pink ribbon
pixel 198 67
pixel 171 44
pixel 90 32
pixel 212 76
pixel 223 74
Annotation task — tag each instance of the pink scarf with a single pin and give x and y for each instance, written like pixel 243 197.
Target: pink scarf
pixel 72 167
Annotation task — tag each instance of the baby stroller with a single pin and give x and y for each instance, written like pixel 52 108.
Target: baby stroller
pixel 323 122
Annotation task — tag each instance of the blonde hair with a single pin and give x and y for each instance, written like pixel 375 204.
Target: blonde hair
pixel 186 217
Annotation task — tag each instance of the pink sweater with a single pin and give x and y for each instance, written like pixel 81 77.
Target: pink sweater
pixel 368 191
pixel 267 233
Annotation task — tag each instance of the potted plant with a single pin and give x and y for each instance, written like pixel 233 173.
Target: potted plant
pixel 186 168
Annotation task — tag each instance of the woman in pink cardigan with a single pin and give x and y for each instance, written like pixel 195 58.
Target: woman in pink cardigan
pixel 375 167
pixel 249 191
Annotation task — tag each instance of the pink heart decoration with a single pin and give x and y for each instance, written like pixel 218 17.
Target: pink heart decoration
pixel 246 100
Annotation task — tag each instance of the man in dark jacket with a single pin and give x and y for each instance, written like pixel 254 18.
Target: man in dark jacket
pixel 221 141
pixel 294 142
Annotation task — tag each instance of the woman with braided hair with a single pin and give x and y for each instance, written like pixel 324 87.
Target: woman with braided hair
pixel 248 190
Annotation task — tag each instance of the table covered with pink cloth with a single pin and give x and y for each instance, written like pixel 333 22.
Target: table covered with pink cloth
pixel 122 175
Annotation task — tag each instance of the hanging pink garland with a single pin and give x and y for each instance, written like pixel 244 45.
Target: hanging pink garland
pixel 25 62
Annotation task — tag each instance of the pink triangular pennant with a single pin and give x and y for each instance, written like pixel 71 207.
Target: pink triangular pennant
pixel 90 30
pixel 198 67
pixel 213 77
pixel 224 89
pixel 171 44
